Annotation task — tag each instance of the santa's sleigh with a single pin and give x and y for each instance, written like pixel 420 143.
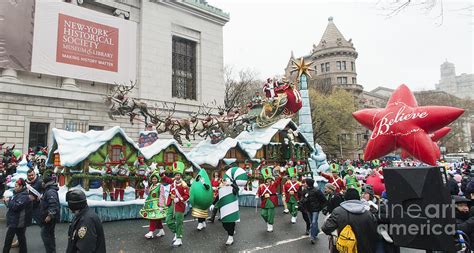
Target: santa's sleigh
pixel 285 104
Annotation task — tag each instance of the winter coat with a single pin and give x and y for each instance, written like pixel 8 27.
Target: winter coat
pixel 49 203
pixel 334 200
pixel 313 200
pixel 19 210
pixel 363 223
pixel 465 223
pixel 453 187
pixel 86 233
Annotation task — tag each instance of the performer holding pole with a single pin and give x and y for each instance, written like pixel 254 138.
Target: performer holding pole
pixel 176 203
pixel 269 199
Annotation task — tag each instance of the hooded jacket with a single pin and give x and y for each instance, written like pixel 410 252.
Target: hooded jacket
pixel 49 203
pixel 363 223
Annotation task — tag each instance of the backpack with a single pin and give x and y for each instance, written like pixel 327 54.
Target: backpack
pixel 346 240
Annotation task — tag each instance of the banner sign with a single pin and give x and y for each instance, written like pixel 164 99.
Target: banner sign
pixel 16 34
pixel 72 41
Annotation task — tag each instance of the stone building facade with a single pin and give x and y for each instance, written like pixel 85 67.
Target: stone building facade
pixel 458 85
pixel 32 104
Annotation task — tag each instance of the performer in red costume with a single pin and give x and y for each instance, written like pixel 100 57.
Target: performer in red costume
pixel 268 195
pixel 334 179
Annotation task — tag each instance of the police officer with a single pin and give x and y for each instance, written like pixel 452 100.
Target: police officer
pixel 85 232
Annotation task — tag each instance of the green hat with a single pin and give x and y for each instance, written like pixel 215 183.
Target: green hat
pixel 267 173
pixel 292 172
pixel 350 167
pixel 178 167
pixel 156 174
pixel 334 167
pixel 376 162
pixel 17 153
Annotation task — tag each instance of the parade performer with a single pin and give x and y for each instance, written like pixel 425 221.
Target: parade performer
pixel 351 180
pixel 107 183
pixel 269 88
pixel 176 203
pixel 334 178
pixel 155 208
pixel 283 196
pixel 291 189
pixel 121 181
pixel 228 200
pixel 201 197
pixel 216 182
pixel 376 180
pixel 140 174
pixel 268 197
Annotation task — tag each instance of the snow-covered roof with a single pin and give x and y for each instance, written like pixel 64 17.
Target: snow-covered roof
pixel 161 144
pixel 252 141
pixel 207 153
pixel 74 147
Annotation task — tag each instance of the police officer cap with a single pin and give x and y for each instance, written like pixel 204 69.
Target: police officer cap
pixel 76 199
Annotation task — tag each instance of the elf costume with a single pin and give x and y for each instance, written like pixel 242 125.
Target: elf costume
pixel 108 183
pixel 229 201
pixel 291 189
pixel 201 197
pixel 155 208
pixel 268 197
pixel 176 203
pixel 140 175
pixel 351 179
pixel 122 180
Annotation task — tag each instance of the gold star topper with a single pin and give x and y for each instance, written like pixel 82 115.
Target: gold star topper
pixel 302 67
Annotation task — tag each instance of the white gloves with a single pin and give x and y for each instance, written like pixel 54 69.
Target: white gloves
pixel 211 208
pixel 256 196
pixel 162 170
pixel 176 200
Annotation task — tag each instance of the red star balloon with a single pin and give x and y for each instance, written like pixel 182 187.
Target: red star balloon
pixel 435 137
pixel 404 124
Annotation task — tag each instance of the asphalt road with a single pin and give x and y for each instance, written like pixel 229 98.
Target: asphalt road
pixel 251 236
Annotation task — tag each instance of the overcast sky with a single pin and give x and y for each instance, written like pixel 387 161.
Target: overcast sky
pixel 407 48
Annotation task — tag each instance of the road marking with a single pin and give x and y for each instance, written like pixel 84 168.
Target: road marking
pixel 164 223
pixel 276 244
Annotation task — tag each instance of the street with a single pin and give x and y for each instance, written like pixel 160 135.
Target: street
pixel 251 236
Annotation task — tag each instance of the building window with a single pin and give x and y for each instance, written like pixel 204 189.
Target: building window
pixel 342 80
pixel 343 65
pixel 322 67
pixel 338 65
pixel 38 135
pixel 96 128
pixel 116 154
pixel 327 66
pixel 353 66
pixel 170 157
pixel 184 68
pixel 75 125
pixel 354 80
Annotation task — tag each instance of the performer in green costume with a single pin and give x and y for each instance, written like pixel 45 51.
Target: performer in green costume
pixel 228 200
pixel 351 180
pixel 155 208
pixel 201 197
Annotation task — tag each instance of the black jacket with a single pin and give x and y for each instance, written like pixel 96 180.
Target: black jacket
pixel 19 210
pixel 453 186
pixel 334 200
pixel 86 233
pixel 363 223
pixel 49 203
pixel 465 223
pixel 313 200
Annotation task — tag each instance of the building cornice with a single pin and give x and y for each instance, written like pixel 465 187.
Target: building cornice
pixel 195 8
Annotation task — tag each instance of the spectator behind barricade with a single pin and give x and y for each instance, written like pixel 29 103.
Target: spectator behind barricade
pixel 353 212
pixel 452 184
pixel 18 216
pixel 334 198
pixel 464 217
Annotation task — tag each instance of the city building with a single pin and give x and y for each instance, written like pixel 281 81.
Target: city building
pixel 334 63
pixel 178 55
pixel 458 85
